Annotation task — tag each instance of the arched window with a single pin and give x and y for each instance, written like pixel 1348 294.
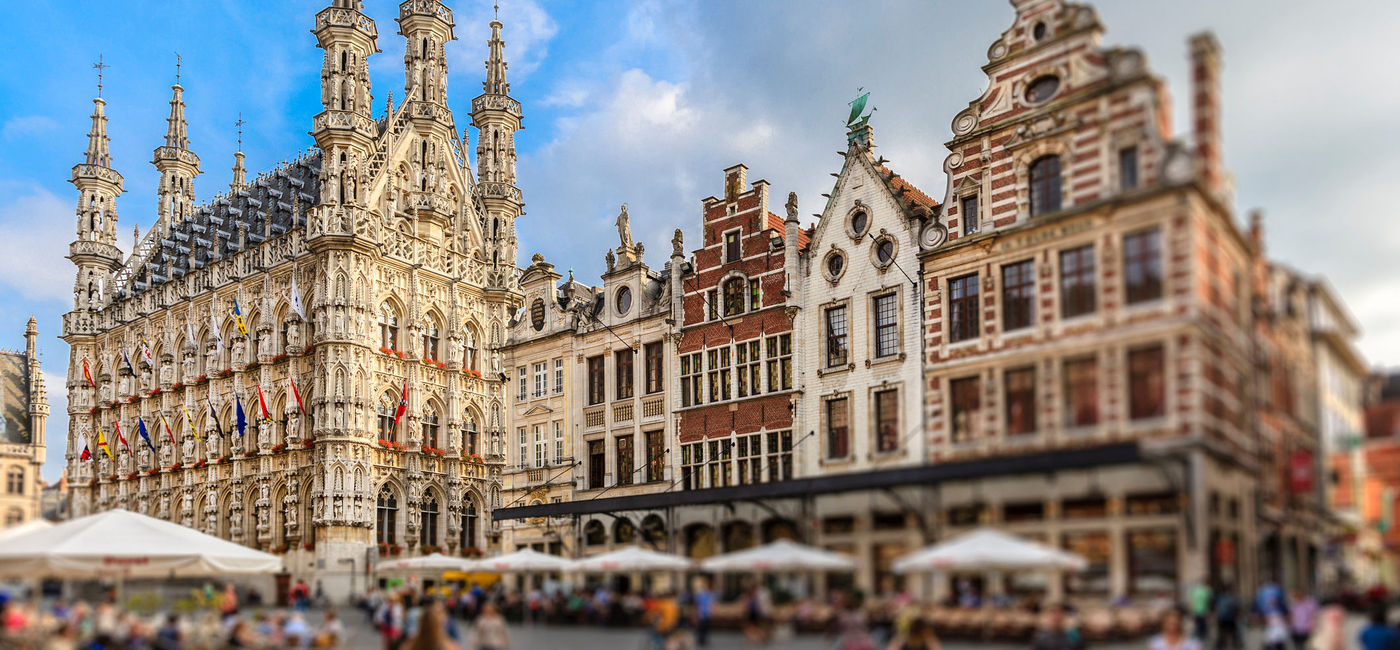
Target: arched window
pixel 428 522
pixel 14 481
pixel 387 405
pixel 594 534
pixel 471 435
pixel 388 327
pixel 386 516
pixel 431 339
pixel 430 427
pixel 470 519
pixel 1045 185
pixel 623 531
pixel 734 297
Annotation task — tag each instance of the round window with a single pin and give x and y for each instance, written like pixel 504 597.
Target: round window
pixel 1038 32
pixel 1042 89
pixel 859 222
pixel 624 300
pixel 835 264
pixel 884 251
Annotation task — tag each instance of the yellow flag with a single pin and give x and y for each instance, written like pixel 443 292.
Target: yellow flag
pixel 190 421
pixel 102 442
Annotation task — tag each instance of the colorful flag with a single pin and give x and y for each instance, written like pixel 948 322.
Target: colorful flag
pixel 216 333
pixel 87 374
pixel 190 421
pixel 215 417
pixel 238 319
pixel 296 394
pixel 262 404
pixel 146 355
pixel 121 438
pixel 127 359
pixel 296 298
pixel 102 443
pixel 242 420
pixel 403 402
pixel 145 435
pixel 167 427
pixel 87 455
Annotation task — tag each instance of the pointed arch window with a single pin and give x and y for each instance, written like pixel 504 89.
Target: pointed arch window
pixel 432 338
pixel 386 516
pixel 1045 185
pixel 387 405
pixel 470 520
pixel 428 522
pixel 430 427
pixel 469 439
pixel 472 347
pixel 388 327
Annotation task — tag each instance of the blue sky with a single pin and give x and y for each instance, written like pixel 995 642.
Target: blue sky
pixel 646 101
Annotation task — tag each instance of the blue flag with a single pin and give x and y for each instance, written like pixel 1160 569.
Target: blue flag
pixel 127 359
pixel 141 428
pixel 238 412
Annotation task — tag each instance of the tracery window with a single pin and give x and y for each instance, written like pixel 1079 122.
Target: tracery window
pixel 430 427
pixel 388 404
pixel 428 522
pixel 386 516
pixel 388 327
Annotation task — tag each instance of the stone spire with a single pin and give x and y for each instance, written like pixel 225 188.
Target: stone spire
pixel 495 83
pixel 240 175
pixel 176 163
pixel 426 25
pixel 497 117
pixel 94 251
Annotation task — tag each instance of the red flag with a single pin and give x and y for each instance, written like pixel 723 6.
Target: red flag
pixel 262 404
pixel 120 437
pixel 403 402
pixel 167 428
pixel 296 394
pixel 87 374
pixel 87 455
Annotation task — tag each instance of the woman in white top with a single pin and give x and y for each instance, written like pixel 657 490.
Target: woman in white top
pixel 1173 636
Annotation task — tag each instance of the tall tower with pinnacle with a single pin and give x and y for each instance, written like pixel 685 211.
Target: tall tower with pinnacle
pixel 95 251
pixel 344 130
pixel 496 116
pixel 176 163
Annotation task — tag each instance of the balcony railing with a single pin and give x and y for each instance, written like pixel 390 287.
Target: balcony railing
pixel 622 412
pixel 654 407
pixel 594 417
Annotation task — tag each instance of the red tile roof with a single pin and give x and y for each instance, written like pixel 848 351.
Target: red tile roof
pixel 911 194
pixel 775 222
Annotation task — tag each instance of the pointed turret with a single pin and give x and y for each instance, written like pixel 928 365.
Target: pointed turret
pixel 426 25
pixel 497 117
pixel 240 175
pixel 344 131
pixel 177 165
pixel 94 251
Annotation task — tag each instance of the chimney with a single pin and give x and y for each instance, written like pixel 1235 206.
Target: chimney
pixel 1205 108
pixel 735 181
pixel 1256 229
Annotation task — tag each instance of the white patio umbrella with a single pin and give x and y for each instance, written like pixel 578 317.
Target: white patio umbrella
pixel 426 563
pixel 24 528
pixel 633 558
pixel 130 545
pixel 524 560
pixel 778 557
pixel 988 549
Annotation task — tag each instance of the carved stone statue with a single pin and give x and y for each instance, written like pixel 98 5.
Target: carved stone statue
pixel 264 433
pixel 610 259
pixel 126 381
pixel 454 350
pixel 187 451
pixel 167 374
pixel 792 206
pixel 189 368
pixel 164 511
pixel 293 427
pixel 624 229
pixel 677 244
pixel 240 349
pixel 212 442
pixel 293 337
pixel 211 358
pixel 265 345
pixel 165 452
pixel 143 456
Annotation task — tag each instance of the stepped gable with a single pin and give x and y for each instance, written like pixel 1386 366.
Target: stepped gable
pixel 264 209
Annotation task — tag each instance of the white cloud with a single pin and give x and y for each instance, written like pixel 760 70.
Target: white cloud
pixel 35 228
pixel 527 30
pixel 26 125
pixel 56 428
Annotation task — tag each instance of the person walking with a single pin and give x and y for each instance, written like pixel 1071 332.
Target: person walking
pixel 1227 619
pixel 1173 635
pixel 301 596
pixel 1378 635
pixel 491 631
pixel 704 609
pixel 1200 610
pixel 432 630
pixel 1302 618
pixel 919 636
pixel 1330 632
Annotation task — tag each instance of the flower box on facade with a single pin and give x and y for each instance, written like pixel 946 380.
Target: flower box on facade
pixel 474 458
pixel 176 466
pixel 279 448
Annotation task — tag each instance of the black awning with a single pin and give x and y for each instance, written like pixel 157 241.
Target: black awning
pixel 1040 462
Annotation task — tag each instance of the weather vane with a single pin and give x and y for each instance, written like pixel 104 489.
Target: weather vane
pixel 178 61
pixel 497 7
pixel 100 67
pixel 240 124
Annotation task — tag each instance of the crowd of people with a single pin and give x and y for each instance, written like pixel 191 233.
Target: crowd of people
pixel 227 623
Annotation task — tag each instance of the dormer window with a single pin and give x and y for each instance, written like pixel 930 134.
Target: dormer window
pixel 1042 89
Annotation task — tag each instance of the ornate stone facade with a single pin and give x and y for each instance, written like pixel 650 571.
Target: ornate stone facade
pixel 24 412
pixel 375 278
